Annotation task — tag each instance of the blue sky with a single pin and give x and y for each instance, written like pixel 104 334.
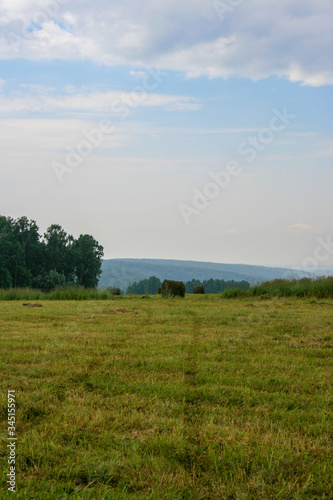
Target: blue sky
pixel 186 88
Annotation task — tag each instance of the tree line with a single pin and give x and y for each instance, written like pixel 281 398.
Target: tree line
pixel 150 286
pixel 56 259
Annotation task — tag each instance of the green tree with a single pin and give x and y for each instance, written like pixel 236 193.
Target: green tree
pixel 153 285
pixel 29 252
pixel 149 286
pixel 88 260
pixel 190 284
pixel 57 260
pixel 60 252
pixel 7 252
pixel 50 280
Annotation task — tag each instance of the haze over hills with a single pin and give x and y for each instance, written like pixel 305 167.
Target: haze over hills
pixel 122 272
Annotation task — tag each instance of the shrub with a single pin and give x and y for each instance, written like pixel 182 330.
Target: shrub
pixel 321 287
pixel 234 293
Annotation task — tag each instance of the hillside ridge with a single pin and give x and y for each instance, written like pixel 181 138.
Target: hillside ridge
pixel 122 272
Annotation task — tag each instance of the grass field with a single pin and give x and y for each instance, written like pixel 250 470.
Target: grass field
pixel 196 398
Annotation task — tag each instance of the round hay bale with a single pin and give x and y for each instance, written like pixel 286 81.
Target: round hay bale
pixel 173 288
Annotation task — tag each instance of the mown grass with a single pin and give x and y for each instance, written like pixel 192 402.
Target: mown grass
pixel 195 398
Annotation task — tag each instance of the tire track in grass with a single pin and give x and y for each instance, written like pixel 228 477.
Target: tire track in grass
pixel 192 453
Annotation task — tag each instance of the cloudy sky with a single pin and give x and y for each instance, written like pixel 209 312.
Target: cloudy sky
pixel 195 130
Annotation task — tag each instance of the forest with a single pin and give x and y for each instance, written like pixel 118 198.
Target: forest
pixel 45 262
pixel 151 286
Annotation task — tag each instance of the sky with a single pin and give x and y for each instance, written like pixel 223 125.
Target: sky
pixel 194 130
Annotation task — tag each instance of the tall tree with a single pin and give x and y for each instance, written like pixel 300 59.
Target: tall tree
pixel 7 252
pixel 30 252
pixel 88 260
pixel 149 286
pixel 59 252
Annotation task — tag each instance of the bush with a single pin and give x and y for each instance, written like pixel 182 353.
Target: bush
pixel 50 281
pixel 234 293
pixel 320 288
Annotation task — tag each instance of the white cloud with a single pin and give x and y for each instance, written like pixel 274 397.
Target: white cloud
pixel 38 99
pixel 257 39
pixel 300 227
pixel 138 75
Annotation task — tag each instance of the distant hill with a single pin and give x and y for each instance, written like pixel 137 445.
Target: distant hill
pixel 121 272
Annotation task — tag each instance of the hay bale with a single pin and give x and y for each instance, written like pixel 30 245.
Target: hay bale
pixel 173 288
pixel 200 289
pixel 32 305
pixel 114 291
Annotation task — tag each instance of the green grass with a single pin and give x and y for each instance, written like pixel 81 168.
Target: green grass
pixel 67 293
pixel 195 398
pixel 321 288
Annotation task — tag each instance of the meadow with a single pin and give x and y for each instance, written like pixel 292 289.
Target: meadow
pixel 195 398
